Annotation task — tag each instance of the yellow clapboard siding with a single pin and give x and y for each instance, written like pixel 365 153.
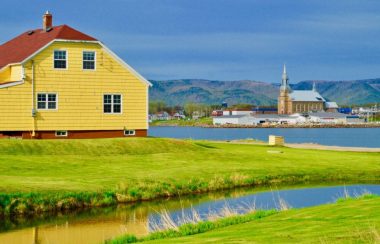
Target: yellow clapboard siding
pixel 80 93
pixel 5 75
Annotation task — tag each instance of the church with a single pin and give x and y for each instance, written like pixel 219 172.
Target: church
pixel 301 101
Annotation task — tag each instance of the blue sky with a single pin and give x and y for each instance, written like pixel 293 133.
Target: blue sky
pixel 222 39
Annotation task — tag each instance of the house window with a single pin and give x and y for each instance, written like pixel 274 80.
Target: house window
pixel 129 132
pixel 60 59
pixel 112 103
pixel 89 60
pixel 61 133
pixel 47 101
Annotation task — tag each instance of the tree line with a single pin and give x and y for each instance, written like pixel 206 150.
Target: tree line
pixel 188 109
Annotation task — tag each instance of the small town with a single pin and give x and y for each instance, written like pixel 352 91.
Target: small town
pixel 295 108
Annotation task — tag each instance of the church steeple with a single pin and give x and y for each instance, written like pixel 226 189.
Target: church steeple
pixel 285 81
pixel 314 87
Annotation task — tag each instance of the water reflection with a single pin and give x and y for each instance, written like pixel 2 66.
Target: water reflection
pixel 97 225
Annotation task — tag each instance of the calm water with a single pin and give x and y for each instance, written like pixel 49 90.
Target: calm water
pixel 350 137
pixel 97 225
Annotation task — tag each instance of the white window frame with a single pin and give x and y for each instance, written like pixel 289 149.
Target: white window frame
pixel 129 132
pixel 67 59
pixel 65 135
pixel 46 94
pixel 112 104
pixel 94 69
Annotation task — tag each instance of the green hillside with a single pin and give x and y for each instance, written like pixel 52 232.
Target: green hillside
pixel 179 92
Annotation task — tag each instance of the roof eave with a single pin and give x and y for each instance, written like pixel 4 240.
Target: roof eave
pixel 12 83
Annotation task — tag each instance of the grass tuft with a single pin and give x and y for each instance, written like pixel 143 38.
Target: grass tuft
pixel 195 228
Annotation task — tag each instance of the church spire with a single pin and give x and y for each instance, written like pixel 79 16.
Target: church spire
pixel 285 80
pixel 314 87
pixel 284 74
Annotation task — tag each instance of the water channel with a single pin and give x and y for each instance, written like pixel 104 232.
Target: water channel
pixel 100 224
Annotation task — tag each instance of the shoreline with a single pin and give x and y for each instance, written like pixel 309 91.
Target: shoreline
pixel 305 126
pixel 70 203
pixel 252 226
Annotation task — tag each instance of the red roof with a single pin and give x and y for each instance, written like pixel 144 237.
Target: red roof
pixel 21 47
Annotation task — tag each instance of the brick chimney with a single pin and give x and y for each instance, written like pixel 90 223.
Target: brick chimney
pixel 47 21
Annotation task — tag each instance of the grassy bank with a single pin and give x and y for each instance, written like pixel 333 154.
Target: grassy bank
pixel 347 221
pixel 50 175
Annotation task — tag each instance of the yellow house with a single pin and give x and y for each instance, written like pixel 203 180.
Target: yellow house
pixel 57 82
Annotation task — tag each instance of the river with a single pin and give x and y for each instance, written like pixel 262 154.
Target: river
pixel 99 224
pixel 346 137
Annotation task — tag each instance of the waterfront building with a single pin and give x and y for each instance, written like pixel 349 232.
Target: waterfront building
pixel 327 118
pixel 331 107
pixel 300 101
pixel 257 119
pixel 57 82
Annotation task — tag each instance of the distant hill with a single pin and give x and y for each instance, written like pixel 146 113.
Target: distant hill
pixel 179 92
pixel 346 92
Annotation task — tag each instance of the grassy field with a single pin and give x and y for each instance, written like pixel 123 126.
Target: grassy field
pixel 128 169
pixel 347 221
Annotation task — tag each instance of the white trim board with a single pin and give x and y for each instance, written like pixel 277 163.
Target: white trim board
pixel 15 83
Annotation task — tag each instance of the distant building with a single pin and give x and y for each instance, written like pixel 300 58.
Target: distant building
pixel 328 118
pixel 278 119
pixel 265 111
pixel 178 116
pixel 354 119
pixel 161 116
pixel 255 119
pixel 232 120
pixel 300 101
pixel 226 112
pixel 231 112
pixel 217 113
pixel 331 107
pixel 345 110
pixel 240 112
pixel 293 119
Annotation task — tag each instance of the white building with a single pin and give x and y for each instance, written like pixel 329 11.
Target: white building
pixel 241 112
pixel 327 118
pixel 354 119
pixel 232 120
pixel 331 107
pixel 226 112
pixel 256 119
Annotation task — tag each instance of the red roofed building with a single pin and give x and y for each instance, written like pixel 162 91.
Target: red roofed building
pixel 28 43
pixel 57 82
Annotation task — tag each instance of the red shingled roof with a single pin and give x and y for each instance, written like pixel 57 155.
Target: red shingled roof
pixel 21 47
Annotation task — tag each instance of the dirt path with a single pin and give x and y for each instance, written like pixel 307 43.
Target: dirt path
pixel 305 146
pixel 333 148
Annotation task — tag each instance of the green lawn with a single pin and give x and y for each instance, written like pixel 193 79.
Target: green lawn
pixel 90 165
pixel 348 221
pixel 144 168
